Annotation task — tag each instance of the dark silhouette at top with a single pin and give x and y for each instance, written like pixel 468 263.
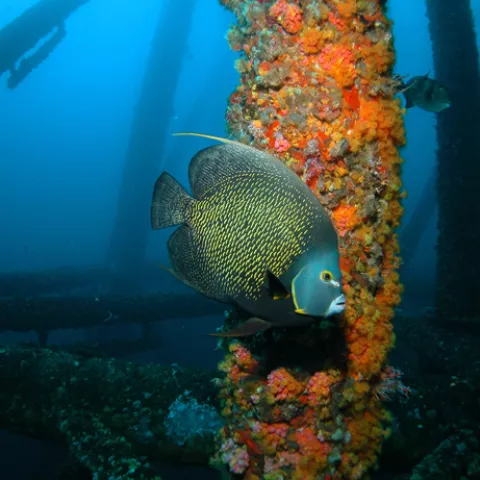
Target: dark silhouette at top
pixel 25 31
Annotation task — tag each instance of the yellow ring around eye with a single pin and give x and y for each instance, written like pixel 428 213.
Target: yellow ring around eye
pixel 326 276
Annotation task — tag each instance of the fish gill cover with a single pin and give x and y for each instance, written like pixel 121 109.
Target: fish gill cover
pixel 316 89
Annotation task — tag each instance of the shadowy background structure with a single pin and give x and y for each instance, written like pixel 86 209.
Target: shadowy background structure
pixel 155 107
pixel 456 62
pixel 27 30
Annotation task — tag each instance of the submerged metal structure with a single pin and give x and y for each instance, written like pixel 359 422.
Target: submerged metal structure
pixel 152 115
pixel 456 63
pixel 316 90
pixel 23 33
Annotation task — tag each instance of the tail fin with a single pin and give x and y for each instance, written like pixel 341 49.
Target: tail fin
pixel 170 203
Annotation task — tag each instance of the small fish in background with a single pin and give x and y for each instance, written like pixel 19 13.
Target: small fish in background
pixel 253 235
pixel 426 93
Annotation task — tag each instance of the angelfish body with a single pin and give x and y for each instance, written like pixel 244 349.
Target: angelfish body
pixel 252 234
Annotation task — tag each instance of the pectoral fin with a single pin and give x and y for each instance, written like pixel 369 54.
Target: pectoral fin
pixel 275 288
pixel 408 102
pixel 252 326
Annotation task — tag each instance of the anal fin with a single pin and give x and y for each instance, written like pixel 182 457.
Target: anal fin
pixel 252 326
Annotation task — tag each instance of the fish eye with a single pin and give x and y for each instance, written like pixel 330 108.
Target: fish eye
pixel 326 276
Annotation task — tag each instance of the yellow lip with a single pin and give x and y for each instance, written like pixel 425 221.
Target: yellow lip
pixel 301 311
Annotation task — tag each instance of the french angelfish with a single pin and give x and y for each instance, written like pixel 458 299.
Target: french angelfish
pixel 252 234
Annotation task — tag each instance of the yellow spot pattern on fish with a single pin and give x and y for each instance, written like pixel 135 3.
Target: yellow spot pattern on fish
pixel 246 224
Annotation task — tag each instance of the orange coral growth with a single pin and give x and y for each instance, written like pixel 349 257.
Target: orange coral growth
pixel 313 92
pixel 240 365
pixel 339 62
pixel 352 98
pixel 339 23
pixel 288 15
pixel 380 119
pixel 377 58
pixel 311 446
pixel 319 387
pixel 283 385
pixel 345 218
pixel 313 39
pixel 347 8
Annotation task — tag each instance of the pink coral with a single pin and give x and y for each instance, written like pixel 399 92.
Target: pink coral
pixel 281 144
pixel 281 459
pixel 236 457
pixel 280 429
pixel 244 358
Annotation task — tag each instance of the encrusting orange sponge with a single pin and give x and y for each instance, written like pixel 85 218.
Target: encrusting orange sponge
pixel 316 90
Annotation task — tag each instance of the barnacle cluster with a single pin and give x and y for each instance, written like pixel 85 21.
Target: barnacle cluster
pixel 316 91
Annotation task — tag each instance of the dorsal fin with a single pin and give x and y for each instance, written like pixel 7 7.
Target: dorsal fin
pixel 210 137
pixel 212 165
pixel 408 101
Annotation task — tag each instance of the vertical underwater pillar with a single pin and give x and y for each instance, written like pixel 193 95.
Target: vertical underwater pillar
pixel 455 56
pixel 316 90
pixel 147 137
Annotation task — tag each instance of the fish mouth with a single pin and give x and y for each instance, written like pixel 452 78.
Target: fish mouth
pixel 337 306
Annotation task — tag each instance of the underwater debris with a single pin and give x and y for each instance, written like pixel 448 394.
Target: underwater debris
pixel 456 457
pixel 76 311
pixel 112 414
